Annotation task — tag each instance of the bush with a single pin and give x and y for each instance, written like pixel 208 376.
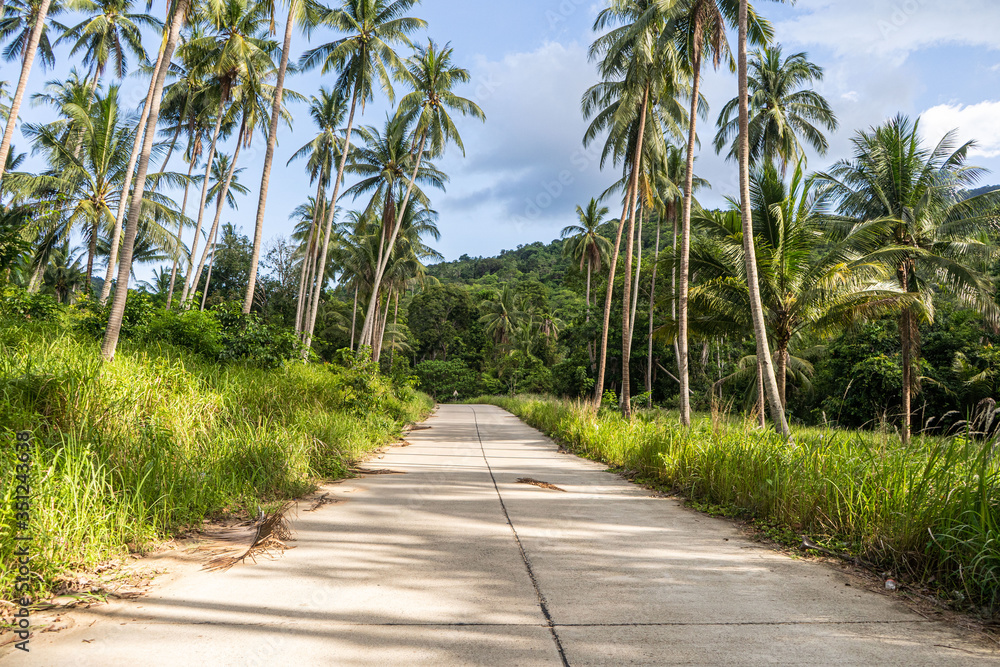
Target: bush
pixel 441 379
pixel 246 338
pixel 571 380
pixel 193 330
pixel 93 317
pixel 18 302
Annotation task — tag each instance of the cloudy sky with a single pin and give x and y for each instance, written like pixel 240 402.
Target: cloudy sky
pixel 525 169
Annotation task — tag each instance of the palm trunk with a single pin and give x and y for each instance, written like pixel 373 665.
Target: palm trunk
pixel 756 308
pixel 781 372
pixel 366 330
pixel 906 339
pixel 220 200
pixel 380 329
pixel 395 322
pixel 321 269
pixel 272 137
pixel 354 316
pixel 305 273
pixel 652 301
pixel 633 194
pixel 202 200
pixel 609 293
pixel 22 83
pixel 113 331
pixel 761 404
pixel 683 366
pixel 590 343
pixel 673 284
pixel 638 269
pixel 137 144
pixel 91 253
pixel 180 232
pixel 208 276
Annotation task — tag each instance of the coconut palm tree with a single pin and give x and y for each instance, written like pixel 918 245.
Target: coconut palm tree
pixel 24 25
pixel 87 178
pixel 110 33
pixel 306 14
pixel 782 108
pixel 700 34
pixel 932 238
pixel 362 59
pixel 235 53
pixel 812 278
pixel 432 75
pixel 503 315
pixel 327 111
pixel 750 256
pixel 225 177
pixel 639 72
pixel 586 244
pixel 178 14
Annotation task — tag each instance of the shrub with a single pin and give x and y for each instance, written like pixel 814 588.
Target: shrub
pixel 246 338
pixel 18 302
pixel 193 330
pixel 441 379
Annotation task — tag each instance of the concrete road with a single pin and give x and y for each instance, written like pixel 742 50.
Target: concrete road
pixel 453 562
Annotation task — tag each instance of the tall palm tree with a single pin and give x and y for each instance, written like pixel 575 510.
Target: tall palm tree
pixel 503 315
pixel 178 14
pixel 235 53
pixel 87 178
pixel 110 33
pixel 306 14
pixel 327 112
pixel 362 59
pixel 750 256
pixel 27 22
pixel 432 75
pixel 226 185
pixel 586 244
pixel 812 277
pixel 639 72
pixel 931 237
pixel 782 108
pixel 700 35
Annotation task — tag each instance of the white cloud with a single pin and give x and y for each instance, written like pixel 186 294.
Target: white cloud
pixel 891 28
pixel 977 122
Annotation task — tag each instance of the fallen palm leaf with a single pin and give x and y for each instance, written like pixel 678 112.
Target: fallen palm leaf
pixel 377 471
pixel 325 499
pixel 272 531
pixel 535 482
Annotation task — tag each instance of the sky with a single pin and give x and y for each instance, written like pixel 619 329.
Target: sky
pixel 525 169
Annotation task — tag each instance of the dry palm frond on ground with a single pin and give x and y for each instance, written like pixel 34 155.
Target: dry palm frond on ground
pixel 535 482
pixel 272 530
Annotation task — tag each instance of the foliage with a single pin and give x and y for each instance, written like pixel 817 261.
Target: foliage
pixel 447 380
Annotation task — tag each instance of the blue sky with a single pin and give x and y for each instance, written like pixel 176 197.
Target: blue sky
pixel 525 170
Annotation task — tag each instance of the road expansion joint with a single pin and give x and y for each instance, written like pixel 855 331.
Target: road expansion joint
pixel 542 604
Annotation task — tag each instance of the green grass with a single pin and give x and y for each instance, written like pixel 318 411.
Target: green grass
pixel 928 512
pixel 129 453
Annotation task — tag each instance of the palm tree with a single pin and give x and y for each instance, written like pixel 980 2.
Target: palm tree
pixel 110 31
pixel 749 252
pixel 811 277
pixel 327 111
pixel 431 74
pixel 27 21
pixel 640 73
pixel 701 33
pixel 87 177
pixel 306 14
pixel 503 315
pixel 225 177
pixel 585 243
pixel 235 53
pixel 781 109
pixel 148 130
pixel 363 55
pixel 931 238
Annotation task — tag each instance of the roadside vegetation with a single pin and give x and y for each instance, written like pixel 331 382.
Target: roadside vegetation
pixel 925 512
pixel 130 453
